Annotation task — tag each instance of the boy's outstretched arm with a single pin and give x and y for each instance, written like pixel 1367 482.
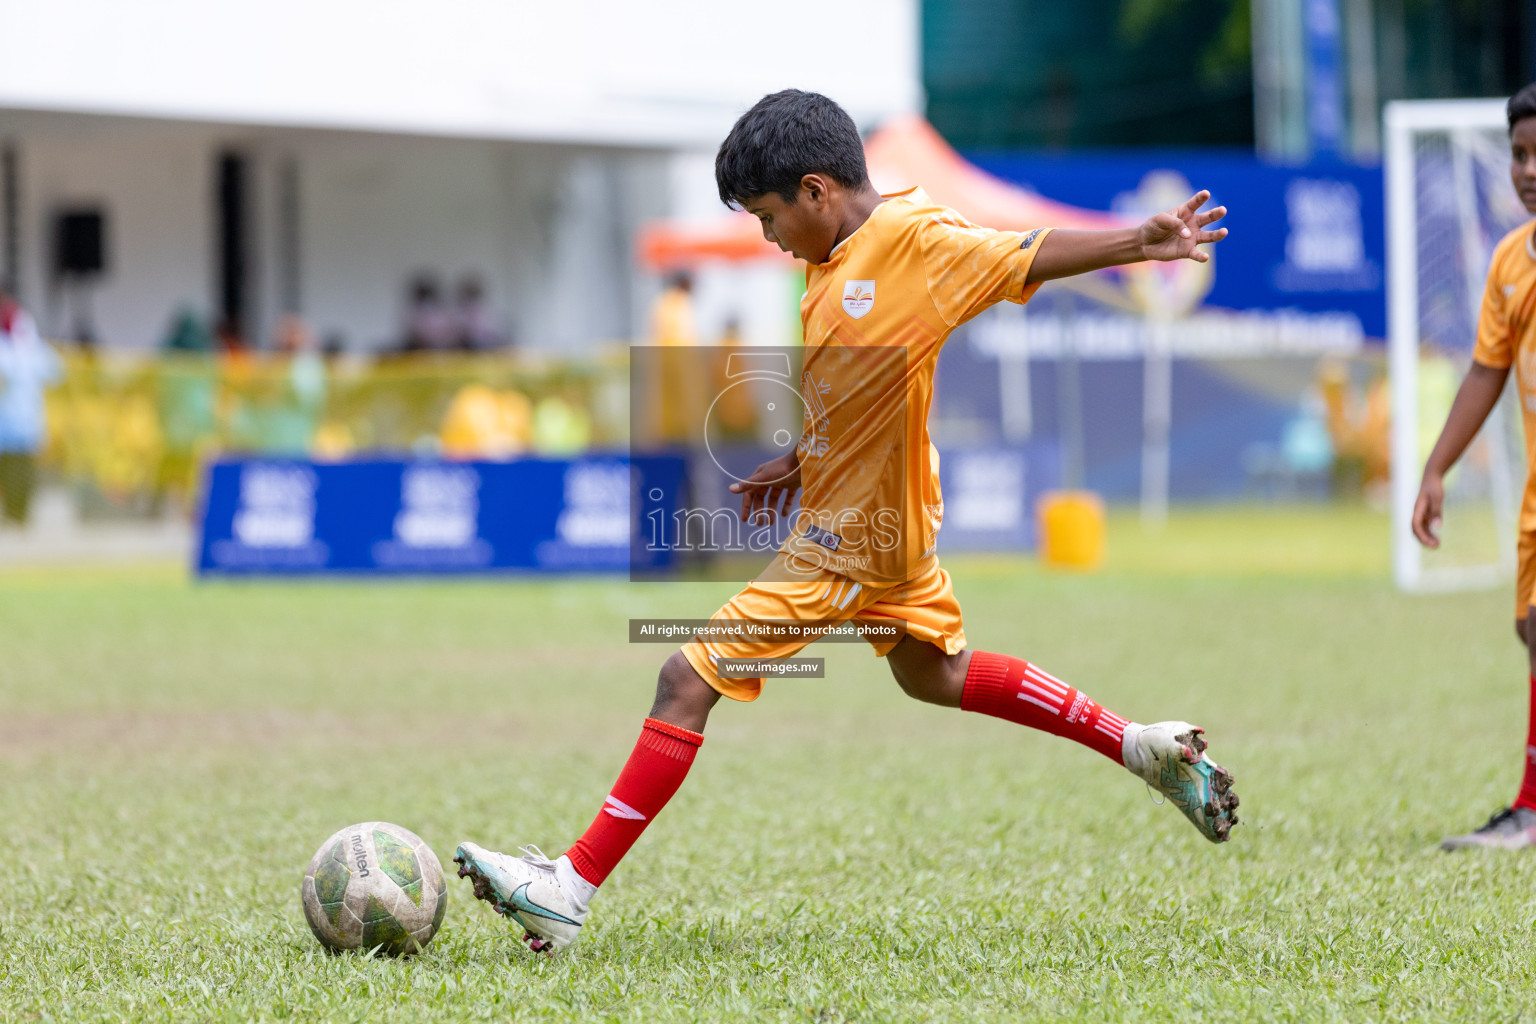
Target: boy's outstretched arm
pixel 1475 399
pixel 1170 235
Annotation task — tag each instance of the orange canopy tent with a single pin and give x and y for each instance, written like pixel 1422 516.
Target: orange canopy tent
pixel 907 151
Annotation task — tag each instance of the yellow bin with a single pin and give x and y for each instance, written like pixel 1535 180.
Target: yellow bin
pixel 1071 529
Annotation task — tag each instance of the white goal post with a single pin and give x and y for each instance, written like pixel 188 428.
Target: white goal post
pixel 1449 201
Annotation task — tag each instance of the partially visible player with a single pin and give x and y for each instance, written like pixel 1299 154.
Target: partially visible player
pixel 1506 337
pixel 889 278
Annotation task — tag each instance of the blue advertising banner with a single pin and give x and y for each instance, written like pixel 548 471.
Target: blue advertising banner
pixel 1308 238
pixel 990 494
pixel 265 516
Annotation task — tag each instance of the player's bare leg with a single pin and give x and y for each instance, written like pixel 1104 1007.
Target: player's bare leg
pixel 1513 827
pixel 1168 756
pixel 550 898
pixel 683 698
pixel 926 673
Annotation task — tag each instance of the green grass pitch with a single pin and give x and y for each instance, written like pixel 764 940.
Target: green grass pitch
pixel 172 753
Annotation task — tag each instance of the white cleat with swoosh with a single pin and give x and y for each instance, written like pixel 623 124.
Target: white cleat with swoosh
pixel 530 890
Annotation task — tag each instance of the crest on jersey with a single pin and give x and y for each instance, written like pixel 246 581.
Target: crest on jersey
pixel 858 298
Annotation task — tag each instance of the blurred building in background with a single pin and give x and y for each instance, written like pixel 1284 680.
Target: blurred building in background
pixel 248 161
pixel 288 182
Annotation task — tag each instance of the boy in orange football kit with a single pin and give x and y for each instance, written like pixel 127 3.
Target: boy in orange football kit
pixel 888 279
pixel 1506 337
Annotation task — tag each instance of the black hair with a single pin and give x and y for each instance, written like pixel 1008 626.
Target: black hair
pixel 1521 106
pixel 785 136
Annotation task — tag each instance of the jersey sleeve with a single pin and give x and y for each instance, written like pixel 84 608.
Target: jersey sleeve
pixel 971 268
pixel 1494 346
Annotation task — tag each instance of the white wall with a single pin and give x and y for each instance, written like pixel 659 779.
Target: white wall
pixel 372 214
pixel 522 140
pixel 549 229
pixel 155 183
pixel 659 72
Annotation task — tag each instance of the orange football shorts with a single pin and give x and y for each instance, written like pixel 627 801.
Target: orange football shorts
pixel 924 604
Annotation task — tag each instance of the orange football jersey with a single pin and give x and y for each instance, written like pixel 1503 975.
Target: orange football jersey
pixel 875 316
pixel 1506 337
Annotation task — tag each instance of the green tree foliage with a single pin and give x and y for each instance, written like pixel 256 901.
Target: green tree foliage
pixel 1001 73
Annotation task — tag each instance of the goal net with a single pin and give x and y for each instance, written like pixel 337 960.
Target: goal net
pixel 1449 201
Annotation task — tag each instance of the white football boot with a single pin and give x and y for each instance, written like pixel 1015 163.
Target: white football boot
pixel 547 897
pixel 1513 828
pixel 1170 757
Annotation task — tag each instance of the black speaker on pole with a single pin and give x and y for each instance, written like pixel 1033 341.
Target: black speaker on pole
pixel 80 243
pixel 79 258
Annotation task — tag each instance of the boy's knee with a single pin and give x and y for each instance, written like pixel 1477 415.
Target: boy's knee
pixel 682 696
pixel 929 675
pixel 924 687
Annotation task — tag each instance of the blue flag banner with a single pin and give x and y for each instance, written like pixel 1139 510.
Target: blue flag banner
pixel 1308 242
pixel 266 516
pixel 1323 30
pixel 990 494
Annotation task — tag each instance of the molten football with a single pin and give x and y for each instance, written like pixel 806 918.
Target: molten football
pixel 374 886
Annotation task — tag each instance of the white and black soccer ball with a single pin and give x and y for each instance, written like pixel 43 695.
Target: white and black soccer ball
pixel 374 886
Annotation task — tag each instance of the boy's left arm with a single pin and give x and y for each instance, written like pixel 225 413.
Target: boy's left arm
pixel 1171 235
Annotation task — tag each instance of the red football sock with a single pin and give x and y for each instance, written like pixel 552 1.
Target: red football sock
pixel 650 777
pixel 1013 689
pixel 1527 797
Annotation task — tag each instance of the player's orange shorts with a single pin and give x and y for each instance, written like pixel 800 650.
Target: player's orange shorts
pixel 925 606
pixel 1525 579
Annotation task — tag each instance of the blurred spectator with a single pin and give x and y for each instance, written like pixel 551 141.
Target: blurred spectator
pixel 188 333
pixel 294 416
pixel 485 424
pixel 672 316
pixel 1305 444
pixel 429 324
pixel 474 324
pixel 293 336
pixel 676 381
pixel 188 387
pixel 231 344
pixel 27 366
pixel 734 410
pixel 1360 425
pixel 560 427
